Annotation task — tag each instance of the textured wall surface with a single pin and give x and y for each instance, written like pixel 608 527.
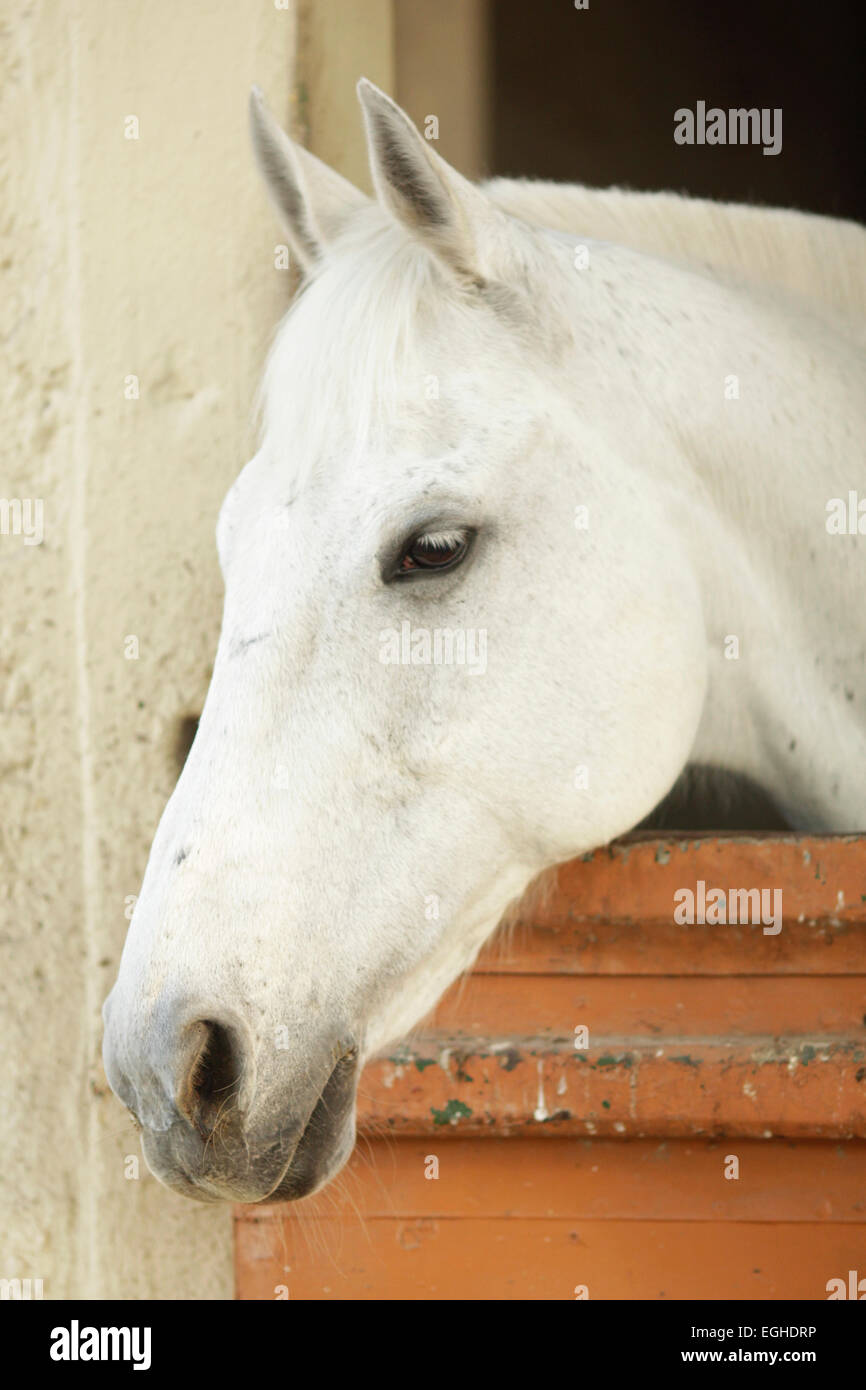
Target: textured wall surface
pixel 150 258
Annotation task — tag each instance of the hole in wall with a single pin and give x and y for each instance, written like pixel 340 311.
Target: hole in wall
pixel 185 732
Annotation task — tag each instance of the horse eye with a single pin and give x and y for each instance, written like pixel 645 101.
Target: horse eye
pixel 435 551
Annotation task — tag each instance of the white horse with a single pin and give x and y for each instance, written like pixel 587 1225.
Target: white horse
pixel 559 492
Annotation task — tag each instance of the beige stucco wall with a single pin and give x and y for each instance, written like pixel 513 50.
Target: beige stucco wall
pixel 442 59
pixel 431 57
pixel 150 258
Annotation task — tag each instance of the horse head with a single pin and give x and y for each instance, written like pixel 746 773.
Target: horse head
pixel 461 641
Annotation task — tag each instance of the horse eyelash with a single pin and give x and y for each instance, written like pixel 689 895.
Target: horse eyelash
pixel 441 540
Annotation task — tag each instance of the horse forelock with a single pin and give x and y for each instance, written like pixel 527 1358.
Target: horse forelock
pixel 356 353
pixel 351 346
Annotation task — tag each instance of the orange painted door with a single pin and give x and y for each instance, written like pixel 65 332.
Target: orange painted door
pixel 616 1103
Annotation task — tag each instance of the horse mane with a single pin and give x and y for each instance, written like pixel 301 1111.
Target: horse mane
pixel 818 259
pixel 381 281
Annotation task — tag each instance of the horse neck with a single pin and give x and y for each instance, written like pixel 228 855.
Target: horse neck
pixel 817 259
pixel 744 416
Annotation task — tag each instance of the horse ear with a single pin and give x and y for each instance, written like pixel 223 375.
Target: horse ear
pixel 311 200
pixel 421 190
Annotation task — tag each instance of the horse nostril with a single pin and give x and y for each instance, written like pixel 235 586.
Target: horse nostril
pixel 207 1094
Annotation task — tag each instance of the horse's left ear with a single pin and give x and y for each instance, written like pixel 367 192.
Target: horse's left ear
pixel 416 185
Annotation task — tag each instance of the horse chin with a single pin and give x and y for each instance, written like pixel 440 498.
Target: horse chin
pixel 312 1168
pixel 328 1138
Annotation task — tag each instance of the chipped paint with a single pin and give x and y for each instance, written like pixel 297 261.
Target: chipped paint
pixel 451 1114
pixel 540 1113
pixel 508 1055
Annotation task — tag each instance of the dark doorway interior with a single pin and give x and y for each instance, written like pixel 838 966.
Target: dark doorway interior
pixel 589 96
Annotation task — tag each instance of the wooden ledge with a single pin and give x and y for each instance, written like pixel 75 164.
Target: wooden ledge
pixel 692 1030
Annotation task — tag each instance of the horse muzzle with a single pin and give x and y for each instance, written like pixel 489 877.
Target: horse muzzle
pixel 217 1127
